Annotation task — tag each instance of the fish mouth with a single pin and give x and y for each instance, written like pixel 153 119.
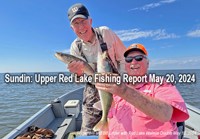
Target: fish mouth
pixel 58 55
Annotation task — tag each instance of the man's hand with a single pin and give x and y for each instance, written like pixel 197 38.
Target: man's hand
pixel 75 67
pixel 112 87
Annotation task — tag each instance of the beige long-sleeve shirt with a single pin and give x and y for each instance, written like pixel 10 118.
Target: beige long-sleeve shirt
pixel 115 47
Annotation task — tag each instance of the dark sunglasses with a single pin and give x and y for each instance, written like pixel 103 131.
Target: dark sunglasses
pixel 137 58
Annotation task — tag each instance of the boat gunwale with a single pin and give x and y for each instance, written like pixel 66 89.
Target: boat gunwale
pixel 15 132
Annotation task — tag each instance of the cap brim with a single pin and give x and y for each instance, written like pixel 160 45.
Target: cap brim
pixel 133 49
pixel 79 16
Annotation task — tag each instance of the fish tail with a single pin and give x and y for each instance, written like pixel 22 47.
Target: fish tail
pixel 101 126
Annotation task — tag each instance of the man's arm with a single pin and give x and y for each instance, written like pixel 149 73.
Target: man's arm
pixel 152 107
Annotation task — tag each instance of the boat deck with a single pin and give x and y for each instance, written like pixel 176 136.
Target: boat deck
pixel 54 117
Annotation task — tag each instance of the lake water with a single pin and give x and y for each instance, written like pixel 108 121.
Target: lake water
pixel 19 101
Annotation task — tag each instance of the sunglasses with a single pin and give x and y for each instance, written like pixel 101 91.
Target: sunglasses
pixel 137 58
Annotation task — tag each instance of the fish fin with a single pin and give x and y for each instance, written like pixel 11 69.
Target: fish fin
pixel 97 105
pixel 100 126
pixel 113 104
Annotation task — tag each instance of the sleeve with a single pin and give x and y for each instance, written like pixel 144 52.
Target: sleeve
pixel 168 93
pixel 119 48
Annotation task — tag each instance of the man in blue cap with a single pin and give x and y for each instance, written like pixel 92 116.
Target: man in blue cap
pixel 90 41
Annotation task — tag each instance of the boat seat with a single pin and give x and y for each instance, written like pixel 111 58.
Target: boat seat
pixel 181 129
pixel 62 126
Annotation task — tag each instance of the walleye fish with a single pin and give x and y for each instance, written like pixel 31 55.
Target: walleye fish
pixel 67 58
pixel 106 98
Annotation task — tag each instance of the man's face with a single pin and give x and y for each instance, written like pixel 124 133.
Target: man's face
pixel 137 68
pixel 82 28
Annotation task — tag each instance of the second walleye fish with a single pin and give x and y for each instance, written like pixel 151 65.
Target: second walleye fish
pixel 106 98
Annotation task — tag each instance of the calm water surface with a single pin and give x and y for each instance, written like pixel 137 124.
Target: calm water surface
pixel 19 101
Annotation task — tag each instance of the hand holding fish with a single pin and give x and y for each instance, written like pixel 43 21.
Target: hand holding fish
pixel 75 64
pixel 75 67
pixel 113 88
